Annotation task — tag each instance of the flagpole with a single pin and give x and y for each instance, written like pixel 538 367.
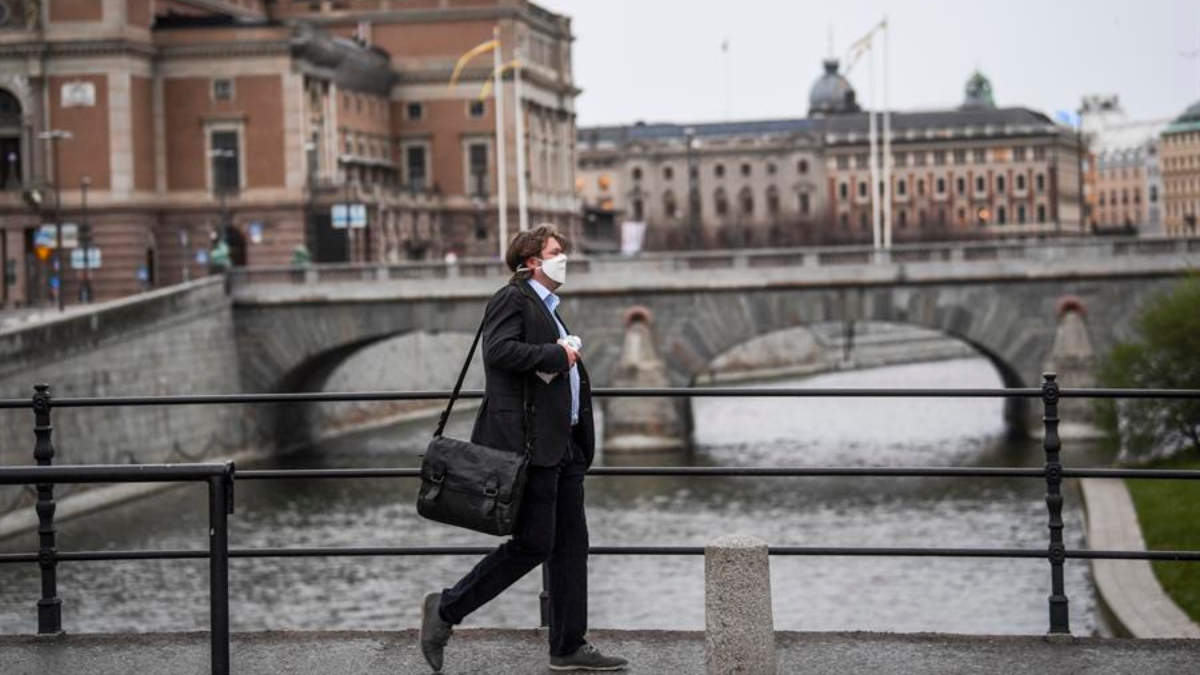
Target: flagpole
pixel 873 191
pixel 501 174
pixel 887 146
pixel 522 198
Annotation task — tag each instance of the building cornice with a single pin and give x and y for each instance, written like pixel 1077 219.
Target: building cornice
pixel 433 16
pixel 88 48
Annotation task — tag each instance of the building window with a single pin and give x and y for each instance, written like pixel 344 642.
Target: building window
pixel 901 187
pixel 1125 196
pixel 861 161
pixel 745 169
pixel 899 159
pixel 476 109
pixel 1041 213
pixel 721 203
pixel 843 190
pixel 962 216
pixel 1039 153
pixel 862 188
pixel 1103 199
pixel 980 184
pixel 222 89
pixel 746 198
pixel 1001 215
pixel 719 171
pixel 773 201
pixel 941 186
pixel 1020 182
pixel 770 168
pixel 918 159
pixel 942 217
pixel 637 173
pixel 1021 216
pixel 979 155
pixel 902 219
pixel 1040 182
pixel 802 165
pixel 862 220
pixel 1018 154
pixel 414 111
pixel 477 163
pixel 960 156
pixel 1000 184
pixel 1153 194
pixel 804 203
pixel 844 221
pixel 843 163
pixel 961 184
pixel 414 166
pixel 920 187
pixel 668 173
pixel 226 162
pixel 939 157
pixel 670 206
pixel 638 210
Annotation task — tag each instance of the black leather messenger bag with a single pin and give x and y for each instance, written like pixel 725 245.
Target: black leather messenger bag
pixel 471 485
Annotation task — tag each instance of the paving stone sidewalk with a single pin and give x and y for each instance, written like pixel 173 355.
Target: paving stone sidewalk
pixel 509 652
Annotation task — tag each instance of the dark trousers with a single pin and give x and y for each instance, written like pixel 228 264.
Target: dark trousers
pixel 551 529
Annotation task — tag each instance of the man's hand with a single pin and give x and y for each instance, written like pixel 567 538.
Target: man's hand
pixel 572 355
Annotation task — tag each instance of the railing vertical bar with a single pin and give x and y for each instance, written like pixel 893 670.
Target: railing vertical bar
pixel 544 597
pixel 1057 552
pixel 219 506
pixel 49 607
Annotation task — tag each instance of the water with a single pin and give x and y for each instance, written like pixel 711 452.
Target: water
pixel 979 596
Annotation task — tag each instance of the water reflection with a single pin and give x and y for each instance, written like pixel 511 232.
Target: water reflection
pixel 818 593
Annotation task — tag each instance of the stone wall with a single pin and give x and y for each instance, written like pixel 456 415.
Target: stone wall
pixel 169 342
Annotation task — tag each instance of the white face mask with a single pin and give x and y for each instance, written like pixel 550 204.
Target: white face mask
pixel 556 268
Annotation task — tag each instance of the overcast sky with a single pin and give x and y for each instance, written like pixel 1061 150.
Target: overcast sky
pixel 661 60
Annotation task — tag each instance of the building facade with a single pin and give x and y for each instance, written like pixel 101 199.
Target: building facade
pixel 968 172
pixel 159 130
pixel 1125 188
pixel 1179 154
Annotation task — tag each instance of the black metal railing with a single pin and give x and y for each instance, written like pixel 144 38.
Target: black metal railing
pixel 220 478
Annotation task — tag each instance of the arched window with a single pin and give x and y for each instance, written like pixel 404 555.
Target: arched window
pixel 746 201
pixel 802 166
pixel 10 141
pixel 746 169
pixel 773 201
pixel 668 173
pixel 721 203
pixel 670 206
pixel 719 171
pixel 1001 215
pixel 637 173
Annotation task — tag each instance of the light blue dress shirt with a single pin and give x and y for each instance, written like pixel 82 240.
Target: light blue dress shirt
pixel 552 301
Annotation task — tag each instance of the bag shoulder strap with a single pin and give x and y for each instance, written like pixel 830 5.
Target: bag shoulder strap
pixel 458 385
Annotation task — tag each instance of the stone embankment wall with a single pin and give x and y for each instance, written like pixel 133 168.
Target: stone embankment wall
pixel 174 341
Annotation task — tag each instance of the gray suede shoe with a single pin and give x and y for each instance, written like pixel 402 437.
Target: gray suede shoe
pixel 435 632
pixel 587 658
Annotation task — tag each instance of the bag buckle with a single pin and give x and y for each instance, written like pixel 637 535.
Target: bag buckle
pixel 437 478
pixel 490 491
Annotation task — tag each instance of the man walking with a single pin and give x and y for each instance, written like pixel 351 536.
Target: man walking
pixel 527 348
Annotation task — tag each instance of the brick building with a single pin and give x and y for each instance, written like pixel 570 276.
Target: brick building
pixel 1179 149
pixel 973 171
pixel 183 123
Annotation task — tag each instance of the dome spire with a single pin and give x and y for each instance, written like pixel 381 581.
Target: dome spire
pixel 832 93
pixel 978 93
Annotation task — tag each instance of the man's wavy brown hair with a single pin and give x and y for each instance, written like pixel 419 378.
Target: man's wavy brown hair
pixel 529 244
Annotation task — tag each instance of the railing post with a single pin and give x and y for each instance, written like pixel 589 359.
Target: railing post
pixel 544 598
pixel 220 505
pixel 49 606
pixel 1057 553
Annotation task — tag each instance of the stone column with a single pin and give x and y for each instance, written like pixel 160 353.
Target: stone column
pixel 739 626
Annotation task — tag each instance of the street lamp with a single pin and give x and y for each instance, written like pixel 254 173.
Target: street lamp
pixel 53 137
pixel 85 240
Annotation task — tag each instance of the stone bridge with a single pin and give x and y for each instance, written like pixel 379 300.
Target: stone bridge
pixel 294 326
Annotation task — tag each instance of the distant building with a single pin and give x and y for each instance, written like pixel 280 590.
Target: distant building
pixel 1180 157
pixel 1125 189
pixel 967 172
pixel 245 121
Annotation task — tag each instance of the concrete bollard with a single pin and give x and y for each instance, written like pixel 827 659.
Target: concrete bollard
pixel 739 628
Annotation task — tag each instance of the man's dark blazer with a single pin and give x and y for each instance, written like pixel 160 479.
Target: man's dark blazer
pixel 519 340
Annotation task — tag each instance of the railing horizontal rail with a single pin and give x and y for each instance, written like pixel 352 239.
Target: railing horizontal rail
pixel 714 471
pixel 663 392
pixel 117 473
pixel 678 392
pixel 400 551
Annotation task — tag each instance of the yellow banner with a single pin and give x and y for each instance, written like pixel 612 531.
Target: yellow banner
pixel 462 60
